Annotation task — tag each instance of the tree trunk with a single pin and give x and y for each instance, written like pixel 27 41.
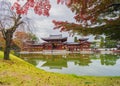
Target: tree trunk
pixel 7 51
pixel 8 40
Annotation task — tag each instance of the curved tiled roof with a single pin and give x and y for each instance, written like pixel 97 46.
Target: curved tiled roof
pixel 83 39
pixel 55 38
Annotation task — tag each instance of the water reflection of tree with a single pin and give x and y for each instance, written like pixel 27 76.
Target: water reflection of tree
pixel 108 59
pixel 80 59
pixel 55 62
pixel 33 61
pixel 95 56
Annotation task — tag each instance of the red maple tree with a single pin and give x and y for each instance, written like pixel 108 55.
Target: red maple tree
pixel 41 7
pixel 92 17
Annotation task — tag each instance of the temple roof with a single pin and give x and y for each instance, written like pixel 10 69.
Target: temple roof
pixel 36 44
pixel 83 39
pixel 55 38
pixel 86 42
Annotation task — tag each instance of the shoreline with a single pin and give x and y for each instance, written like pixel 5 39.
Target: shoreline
pixel 63 52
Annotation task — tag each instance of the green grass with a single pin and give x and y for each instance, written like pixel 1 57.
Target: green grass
pixel 17 72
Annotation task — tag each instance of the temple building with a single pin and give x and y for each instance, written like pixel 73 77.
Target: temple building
pixel 57 42
pixel 32 46
pixel 54 42
pixel 84 44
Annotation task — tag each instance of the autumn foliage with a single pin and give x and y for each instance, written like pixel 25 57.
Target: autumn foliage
pixel 20 38
pixel 41 7
pixel 92 17
pixel 87 13
pixel 86 9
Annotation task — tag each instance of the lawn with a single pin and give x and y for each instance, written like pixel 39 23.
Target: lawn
pixel 17 72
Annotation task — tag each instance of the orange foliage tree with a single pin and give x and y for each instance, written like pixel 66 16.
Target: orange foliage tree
pixel 21 37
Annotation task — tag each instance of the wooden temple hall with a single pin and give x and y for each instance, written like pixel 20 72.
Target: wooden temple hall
pixel 56 42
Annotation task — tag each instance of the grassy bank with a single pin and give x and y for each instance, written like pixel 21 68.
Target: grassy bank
pixel 17 72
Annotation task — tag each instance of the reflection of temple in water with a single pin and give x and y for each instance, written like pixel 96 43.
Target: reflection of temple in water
pixel 95 64
pixel 60 62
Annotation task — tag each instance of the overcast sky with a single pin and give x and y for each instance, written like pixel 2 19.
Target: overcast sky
pixel 43 26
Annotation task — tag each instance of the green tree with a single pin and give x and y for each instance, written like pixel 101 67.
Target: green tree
pixel 33 37
pixel 75 39
pixel 110 43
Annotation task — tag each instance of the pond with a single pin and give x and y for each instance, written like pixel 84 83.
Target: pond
pixel 78 64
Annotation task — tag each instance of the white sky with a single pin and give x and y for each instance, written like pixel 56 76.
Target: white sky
pixel 44 26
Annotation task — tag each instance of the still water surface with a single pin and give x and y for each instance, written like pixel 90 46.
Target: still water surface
pixel 92 65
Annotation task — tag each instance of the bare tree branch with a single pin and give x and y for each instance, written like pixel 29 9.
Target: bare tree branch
pixel 2 30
